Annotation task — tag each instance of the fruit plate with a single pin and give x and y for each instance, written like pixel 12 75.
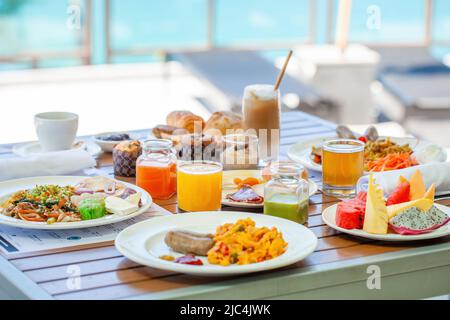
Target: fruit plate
pixel 228 187
pixel 301 151
pixel 143 242
pixel 329 217
pixel 7 188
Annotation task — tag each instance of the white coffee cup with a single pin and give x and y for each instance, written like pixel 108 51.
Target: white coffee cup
pixel 56 130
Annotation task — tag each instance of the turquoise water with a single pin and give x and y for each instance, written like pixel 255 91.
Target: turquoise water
pixel 41 25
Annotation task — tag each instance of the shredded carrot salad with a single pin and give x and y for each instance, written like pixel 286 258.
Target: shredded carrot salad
pixel 392 161
pixel 44 203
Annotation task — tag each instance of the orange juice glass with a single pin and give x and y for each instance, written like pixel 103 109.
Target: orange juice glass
pixel 199 185
pixel 156 169
pixel 342 166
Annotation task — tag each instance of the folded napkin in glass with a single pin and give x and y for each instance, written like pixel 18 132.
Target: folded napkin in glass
pixel 436 172
pixel 46 164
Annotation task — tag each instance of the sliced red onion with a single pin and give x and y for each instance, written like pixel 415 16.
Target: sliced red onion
pixel 80 191
pixel 113 189
pixel 127 192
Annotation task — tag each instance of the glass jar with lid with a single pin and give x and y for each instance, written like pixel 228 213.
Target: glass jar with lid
pixel 156 169
pixel 286 195
pixel 240 151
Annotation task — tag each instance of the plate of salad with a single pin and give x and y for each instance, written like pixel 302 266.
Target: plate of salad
pixel 380 153
pixel 69 202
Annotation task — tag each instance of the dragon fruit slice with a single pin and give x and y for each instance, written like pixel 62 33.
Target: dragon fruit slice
pixel 415 221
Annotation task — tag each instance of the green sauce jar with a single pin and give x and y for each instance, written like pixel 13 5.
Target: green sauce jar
pixel 286 195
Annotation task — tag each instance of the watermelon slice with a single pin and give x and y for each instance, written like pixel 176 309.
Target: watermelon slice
pixel 400 194
pixel 362 195
pixel 350 213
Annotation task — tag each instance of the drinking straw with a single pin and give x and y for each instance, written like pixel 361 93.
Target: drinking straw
pixel 281 74
pixel 343 24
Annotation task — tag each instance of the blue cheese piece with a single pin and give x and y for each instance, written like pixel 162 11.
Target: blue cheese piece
pixel 119 206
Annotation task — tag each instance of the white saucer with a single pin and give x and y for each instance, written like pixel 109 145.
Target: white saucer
pixel 33 148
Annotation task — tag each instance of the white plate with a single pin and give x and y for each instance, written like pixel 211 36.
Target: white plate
pixel 7 188
pixel 230 187
pixel 301 151
pixel 32 148
pixel 329 217
pixel 143 242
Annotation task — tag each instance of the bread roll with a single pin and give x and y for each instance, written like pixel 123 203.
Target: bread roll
pixel 222 121
pixel 186 120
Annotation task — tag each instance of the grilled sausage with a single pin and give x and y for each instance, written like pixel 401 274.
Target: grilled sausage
pixel 189 242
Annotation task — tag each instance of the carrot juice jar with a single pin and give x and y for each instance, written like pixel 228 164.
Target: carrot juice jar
pixel 156 169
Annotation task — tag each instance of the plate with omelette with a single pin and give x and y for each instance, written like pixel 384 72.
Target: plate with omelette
pixel 216 243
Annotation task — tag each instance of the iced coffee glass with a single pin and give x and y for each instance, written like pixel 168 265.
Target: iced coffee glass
pixel 261 110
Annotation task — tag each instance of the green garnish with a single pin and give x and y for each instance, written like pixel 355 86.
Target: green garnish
pixel 92 209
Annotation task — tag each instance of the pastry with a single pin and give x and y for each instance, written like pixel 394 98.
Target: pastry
pixel 163 131
pixel 223 121
pixel 125 155
pixel 186 120
pixel 196 147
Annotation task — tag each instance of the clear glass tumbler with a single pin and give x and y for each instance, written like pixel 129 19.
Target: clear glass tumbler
pixel 342 166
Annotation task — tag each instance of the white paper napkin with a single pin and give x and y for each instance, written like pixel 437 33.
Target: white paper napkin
pixel 46 164
pixel 437 173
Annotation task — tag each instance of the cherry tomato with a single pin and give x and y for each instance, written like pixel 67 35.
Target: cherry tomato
pixel 223 248
pixel 363 139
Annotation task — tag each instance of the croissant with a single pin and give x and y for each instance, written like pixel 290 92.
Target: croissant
pixel 186 120
pixel 223 120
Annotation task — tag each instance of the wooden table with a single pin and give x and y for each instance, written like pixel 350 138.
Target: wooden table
pixel 337 269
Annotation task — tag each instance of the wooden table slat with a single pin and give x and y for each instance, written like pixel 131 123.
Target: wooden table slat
pixel 180 281
pixel 89 267
pixel 134 274
pixel 295 135
pixel 305 135
pixel 119 263
pixel 66 258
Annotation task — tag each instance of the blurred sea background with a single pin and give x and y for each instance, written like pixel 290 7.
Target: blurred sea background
pixel 41 25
